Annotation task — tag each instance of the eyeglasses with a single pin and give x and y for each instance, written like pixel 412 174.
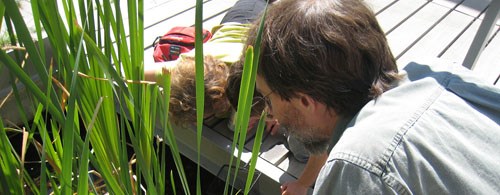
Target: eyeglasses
pixel 265 99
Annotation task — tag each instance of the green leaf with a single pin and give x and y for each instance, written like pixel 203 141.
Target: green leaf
pixel 200 85
pixel 9 177
pixel 255 151
pixel 83 169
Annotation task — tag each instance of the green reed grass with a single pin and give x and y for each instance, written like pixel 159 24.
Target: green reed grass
pixel 200 87
pixel 91 38
pixel 244 109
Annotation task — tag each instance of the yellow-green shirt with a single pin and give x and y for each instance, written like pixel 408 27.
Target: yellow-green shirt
pixel 226 43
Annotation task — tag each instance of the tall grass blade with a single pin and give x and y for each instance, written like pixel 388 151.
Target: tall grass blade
pixel 83 179
pixel 242 116
pixel 2 12
pixel 9 176
pixel 173 182
pixel 245 98
pixel 168 134
pixel 36 122
pixel 20 106
pixel 247 109
pixel 200 86
pixel 255 152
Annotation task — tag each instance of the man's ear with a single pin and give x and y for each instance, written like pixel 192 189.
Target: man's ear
pixel 306 102
pixel 311 107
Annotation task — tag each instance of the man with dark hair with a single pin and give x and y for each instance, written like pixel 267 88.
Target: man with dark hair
pixel 329 77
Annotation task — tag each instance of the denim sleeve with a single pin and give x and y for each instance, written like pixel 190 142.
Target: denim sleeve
pixel 344 177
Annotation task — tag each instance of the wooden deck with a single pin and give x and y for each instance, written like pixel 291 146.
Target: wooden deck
pixel 415 29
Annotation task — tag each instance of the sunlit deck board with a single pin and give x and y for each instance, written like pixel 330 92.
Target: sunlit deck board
pixel 379 5
pixel 488 65
pixel 488 69
pixel 397 13
pixel 410 31
pixel 438 39
pixel 167 15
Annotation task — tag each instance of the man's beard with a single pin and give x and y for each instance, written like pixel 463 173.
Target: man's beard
pixel 313 141
pixel 316 145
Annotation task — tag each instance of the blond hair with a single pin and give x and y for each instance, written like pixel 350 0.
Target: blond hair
pixel 183 90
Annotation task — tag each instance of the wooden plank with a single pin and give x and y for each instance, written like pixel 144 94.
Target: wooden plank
pixel 395 14
pixel 276 155
pixel 438 39
pixel 474 8
pixel 271 148
pixel 210 9
pixel 215 153
pixel 271 178
pixel 457 51
pixel 223 129
pixel 153 8
pixel 292 166
pixel 165 10
pixel 186 18
pixel 268 150
pixel 471 8
pixel 448 3
pixel 487 65
pixel 378 5
pixel 268 140
pixel 408 33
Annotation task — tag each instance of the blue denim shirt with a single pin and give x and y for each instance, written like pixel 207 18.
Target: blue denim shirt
pixel 437 132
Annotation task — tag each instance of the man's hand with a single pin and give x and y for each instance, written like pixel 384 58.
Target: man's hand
pixel 293 188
